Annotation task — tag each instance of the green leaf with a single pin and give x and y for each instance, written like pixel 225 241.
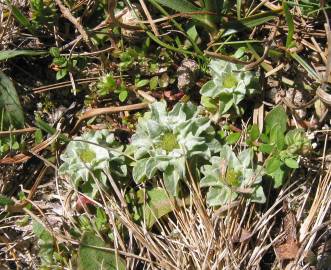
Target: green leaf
pixel 277 137
pixel 45 243
pixel 139 170
pixel 123 95
pixel 297 142
pixel 272 165
pixel 4 200
pixel 38 136
pixel 153 82
pixel 158 204
pixel 24 21
pixel 193 33
pixel 171 178
pixel 179 5
pixel 61 73
pixel 7 54
pixel 266 148
pixel 55 52
pixel 291 163
pixel 235 26
pixel 290 25
pixel 142 83
pixel 10 107
pixel 92 258
pixel 254 132
pixel 220 196
pixel 47 128
pixel 233 138
pixel 311 72
pixel 278 177
pixel 258 196
pixel 277 116
pixel 185 6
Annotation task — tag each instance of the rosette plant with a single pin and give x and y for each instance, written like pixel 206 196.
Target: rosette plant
pixel 169 141
pixel 229 175
pixel 94 156
pixel 230 84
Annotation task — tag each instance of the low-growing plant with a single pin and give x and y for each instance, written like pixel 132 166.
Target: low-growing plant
pixel 283 148
pixel 11 116
pixel 168 142
pixel 95 156
pixel 229 86
pixel 61 64
pixel 43 12
pixel 229 175
pixel 108 84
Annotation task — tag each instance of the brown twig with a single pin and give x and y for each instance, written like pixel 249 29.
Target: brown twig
pixel 149 18
pixel 266 48
pixel 17 131
pixel 20 158
pixel 67 14
pixel 99 111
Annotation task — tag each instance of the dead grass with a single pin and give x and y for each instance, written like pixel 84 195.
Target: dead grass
pixel 291 231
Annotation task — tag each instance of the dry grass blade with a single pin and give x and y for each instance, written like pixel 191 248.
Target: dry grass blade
pixel 20 158
pixel 99 111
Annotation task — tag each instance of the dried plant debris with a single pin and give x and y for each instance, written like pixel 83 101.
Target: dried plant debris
pixel 165 134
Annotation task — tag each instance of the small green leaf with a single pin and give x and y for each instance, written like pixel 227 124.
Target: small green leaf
pixel 24 21
pixel 272 165
pixel 142 83
pixel 254 132
pixel 277 116
pixel 233 138
pixel 15 145
pixel 55 52
pixel 92 258
pixel 61 73
pixel 153 82
pixel 123 96
pixel 291 163
pixel 311 72
pixel 266 148
pixel 10 107
pixel 38 136
pixel 171 178
pixel 4 200
pixel 258 196
pixel 277 137
pixel 193 33
pixel 290 24
pixel 139 170
pixel 45 243
pixel 278 177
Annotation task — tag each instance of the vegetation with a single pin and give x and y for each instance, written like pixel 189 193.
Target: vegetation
pixel 174 134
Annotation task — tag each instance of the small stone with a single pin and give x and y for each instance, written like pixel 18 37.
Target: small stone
pixel 187 74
